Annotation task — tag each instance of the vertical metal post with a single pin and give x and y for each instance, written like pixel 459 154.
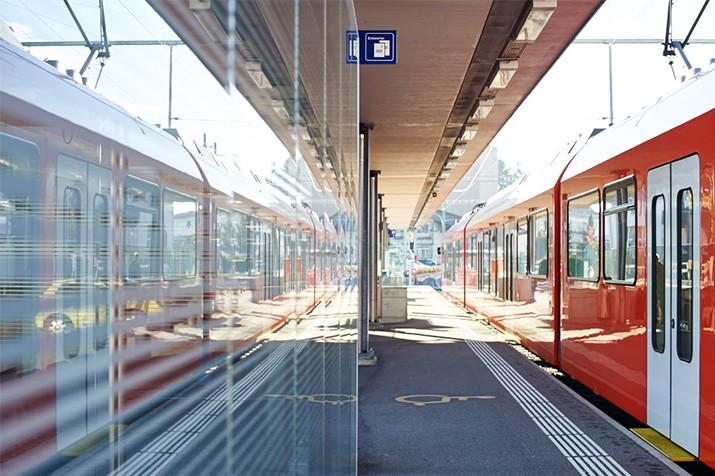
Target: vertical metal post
pixel 372 241
pixel 610 82
pixel 171 80
pixel 379 255
pixel 366 355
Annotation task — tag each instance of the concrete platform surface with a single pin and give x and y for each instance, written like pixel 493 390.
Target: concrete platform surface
pixel 448 396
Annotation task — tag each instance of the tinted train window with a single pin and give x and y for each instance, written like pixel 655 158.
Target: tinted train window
pixel 239 226
pixel 619 232
pixel 179 235
pixel 71 233
pixel 486 261
pixel 141 230
pixel 522 246
pixel 583 236
pixel 224 243
pixel 255 259
pixel 539 243
pixel 459 255
pixel 658 231
pixel 101 237
pixel 684 270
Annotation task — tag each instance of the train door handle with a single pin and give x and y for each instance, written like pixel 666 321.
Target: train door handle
pixel 672 323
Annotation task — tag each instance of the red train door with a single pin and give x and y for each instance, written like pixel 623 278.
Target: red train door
pixel 674 301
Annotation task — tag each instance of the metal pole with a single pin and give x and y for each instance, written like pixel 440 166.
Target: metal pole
pixel 171 80
pixel 610 82
pixel 366 355
pixel 373 245
pixel 379 242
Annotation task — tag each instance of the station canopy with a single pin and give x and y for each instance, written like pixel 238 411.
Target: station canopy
pixel 461 69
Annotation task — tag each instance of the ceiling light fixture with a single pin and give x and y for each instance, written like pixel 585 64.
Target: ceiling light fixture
pixel 541 11
pixel 506 71
pixel 458 152
pixel 280 108
pixel 255 71
pixel 483 109
pixel 469 132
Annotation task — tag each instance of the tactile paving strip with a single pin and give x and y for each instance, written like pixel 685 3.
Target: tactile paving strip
pixel 580 450
pixel 155 455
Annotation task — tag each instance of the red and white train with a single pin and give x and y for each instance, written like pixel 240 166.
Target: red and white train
pixel 602 263
pixel 128 261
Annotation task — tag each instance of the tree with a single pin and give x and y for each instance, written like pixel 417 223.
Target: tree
pixel 508 176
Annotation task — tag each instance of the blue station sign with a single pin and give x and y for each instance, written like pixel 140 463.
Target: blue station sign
pixel 371 47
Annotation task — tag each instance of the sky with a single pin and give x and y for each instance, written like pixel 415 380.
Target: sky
pixel 198 100
pixel 573 98
pixel 570 100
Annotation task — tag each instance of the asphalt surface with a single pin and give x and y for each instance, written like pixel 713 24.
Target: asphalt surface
pixel 490 433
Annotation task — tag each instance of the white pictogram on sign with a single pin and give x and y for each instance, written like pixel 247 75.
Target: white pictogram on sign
pixel 381 49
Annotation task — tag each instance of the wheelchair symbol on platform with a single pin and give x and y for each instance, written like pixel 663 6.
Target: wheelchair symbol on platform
pixel 424 400
pixel 321 398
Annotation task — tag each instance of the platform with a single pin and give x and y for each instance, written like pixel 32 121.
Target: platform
pixel 450 396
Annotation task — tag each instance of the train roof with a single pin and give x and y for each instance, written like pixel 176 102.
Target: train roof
pixel 38 83
pixel 536 182
pixel 690 100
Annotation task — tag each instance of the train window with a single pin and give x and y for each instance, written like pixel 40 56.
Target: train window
pixel 539 243
pixel 583 236
pixel 684 270
pixel 239 236
pixel 224 243
pixel 480 278
pixel 658 272
pixel 486 261
pixel 521 246
pixel 141 230
pixel 254 249
pixel 619 232
pixel 458 253
pixel 180 213
pixel 71 232
pixel 101 237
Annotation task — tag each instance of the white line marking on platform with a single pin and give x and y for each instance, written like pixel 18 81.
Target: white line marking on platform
pixel 157 454
pixel 582 452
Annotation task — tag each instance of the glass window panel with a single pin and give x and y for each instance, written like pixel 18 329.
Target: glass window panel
pixel 101 238
pixel 685 271
pixel 224 243
pixel 539 243
pixel 522 246
pixel 619 195
pixel 459 254
pixel 240 223
pixel 180 213
pixel 619 245
pixel 486 261
pixel 141 230
pixel 583 236
pixel 658 231
pixel 71 233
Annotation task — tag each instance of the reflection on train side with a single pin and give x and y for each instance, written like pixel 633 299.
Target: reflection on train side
pixel 115 287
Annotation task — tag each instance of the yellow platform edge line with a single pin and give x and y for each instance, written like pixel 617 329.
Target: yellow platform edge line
pixel 669 449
